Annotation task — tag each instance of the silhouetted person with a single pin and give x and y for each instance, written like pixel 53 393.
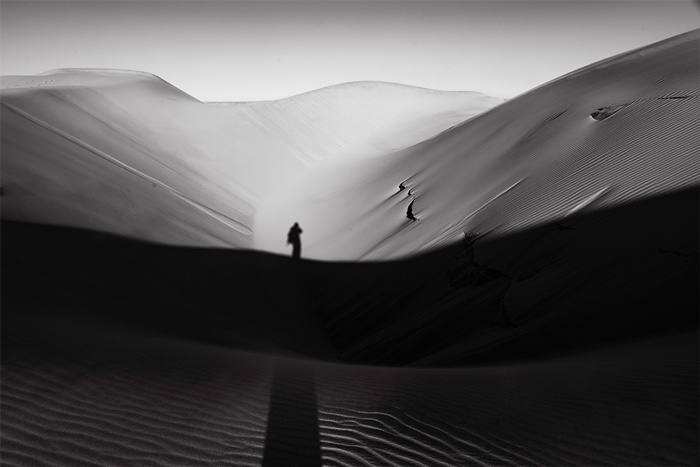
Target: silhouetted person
pixel 294 237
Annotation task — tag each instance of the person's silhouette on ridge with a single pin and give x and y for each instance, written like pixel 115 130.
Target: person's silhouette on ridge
pixel 294 237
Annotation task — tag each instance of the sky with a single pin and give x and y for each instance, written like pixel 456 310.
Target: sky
pixel 263 50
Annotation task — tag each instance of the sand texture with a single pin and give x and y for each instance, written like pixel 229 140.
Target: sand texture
pixel 541 307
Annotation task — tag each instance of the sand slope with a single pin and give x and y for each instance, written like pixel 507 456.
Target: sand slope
pixel 126 152
pixel 537 157
pixel 241 174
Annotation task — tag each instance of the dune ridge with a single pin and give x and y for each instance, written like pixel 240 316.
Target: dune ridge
pixel 330 122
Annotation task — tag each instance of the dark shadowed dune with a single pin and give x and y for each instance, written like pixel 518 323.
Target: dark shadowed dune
pixel 591 277
pixel 120 352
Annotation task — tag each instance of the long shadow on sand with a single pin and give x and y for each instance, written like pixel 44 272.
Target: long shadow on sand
pixel 292 423
pixel 600 276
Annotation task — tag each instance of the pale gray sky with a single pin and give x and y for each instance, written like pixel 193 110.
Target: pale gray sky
pixel 258 50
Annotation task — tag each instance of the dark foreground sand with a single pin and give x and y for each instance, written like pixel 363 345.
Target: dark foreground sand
pixel 582 350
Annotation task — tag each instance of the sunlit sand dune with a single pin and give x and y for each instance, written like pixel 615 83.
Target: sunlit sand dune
pixel 614 131
pixel 537 157
pixel 561 330
pixel 126 152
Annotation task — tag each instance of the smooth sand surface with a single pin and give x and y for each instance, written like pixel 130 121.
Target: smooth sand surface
pixel 113 150
pixel 538 157
pixel 126 152
pixel 564 333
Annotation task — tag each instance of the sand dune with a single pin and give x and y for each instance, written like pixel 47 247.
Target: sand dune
pixel 537 157
pixel 244 173
pixel 564 332
pixel 114 150
pixel 363 119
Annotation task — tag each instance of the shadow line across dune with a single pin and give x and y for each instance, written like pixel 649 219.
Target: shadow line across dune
pixel 595 276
